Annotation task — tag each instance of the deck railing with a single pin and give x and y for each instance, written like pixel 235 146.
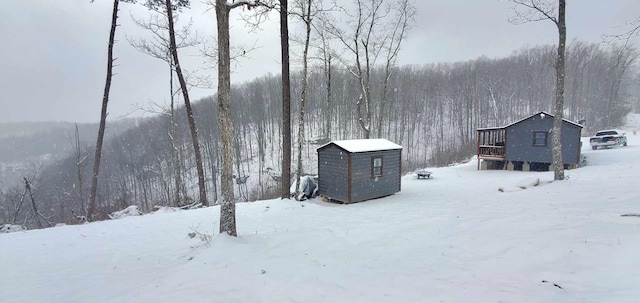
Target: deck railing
pixel 491 151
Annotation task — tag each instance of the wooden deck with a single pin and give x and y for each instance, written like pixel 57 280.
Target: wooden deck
pixel 491 143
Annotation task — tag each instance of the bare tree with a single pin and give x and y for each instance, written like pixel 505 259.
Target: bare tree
pixel 405 12
pixel 80 163
pixel 325 54
pixel 34 209
pixel 225 124
pixel 306 17
pixel 81 153
pixel 185 95
pixel 365 38
pixel 327 60
pixel 623 58
pixel 537 10
pixel 358 40
pixel 630 30
pixel 160 47
pixel 228 206
pixel 91 208
pixel 286 101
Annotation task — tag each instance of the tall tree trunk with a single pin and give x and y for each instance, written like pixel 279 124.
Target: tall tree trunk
pixel 187 105
pixel 328 97
pixel 79 167
pixel 178 199
pixel 228 207
pixel 558 166
pixel 239 171
pixel 364 104
pixel 286 101
pixel 91 208
pixel 383 102
pixel 303 98
pixel 211 146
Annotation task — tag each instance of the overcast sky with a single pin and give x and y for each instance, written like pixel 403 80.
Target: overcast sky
pixel 53 54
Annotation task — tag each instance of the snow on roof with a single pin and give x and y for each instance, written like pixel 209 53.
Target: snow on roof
pixel 542 115
pixel 365 145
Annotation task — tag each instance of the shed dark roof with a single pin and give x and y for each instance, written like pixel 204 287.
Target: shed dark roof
pixel 542 114
pixel 364 145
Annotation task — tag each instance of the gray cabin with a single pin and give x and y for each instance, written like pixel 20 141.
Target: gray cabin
pixel 526 144
pixel 351 171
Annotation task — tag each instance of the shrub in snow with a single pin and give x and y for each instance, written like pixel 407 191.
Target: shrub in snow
pixel 127 212
pixel 205 239
pixel 165 209
pixel 11 228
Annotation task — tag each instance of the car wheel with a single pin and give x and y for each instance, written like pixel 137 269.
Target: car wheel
pixel 625 143
pixel 594 147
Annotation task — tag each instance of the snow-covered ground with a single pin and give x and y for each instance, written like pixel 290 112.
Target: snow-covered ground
pixel 463 236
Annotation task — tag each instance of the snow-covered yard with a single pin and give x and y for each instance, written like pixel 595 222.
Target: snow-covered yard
pixel 463 236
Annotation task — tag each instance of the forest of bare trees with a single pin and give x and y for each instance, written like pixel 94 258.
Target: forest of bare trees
pixel 431 110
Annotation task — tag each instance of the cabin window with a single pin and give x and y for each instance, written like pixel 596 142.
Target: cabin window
pixel 540 138
pixel 376 166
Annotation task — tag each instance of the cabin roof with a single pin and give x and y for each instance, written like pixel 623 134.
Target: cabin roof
pixel 542 114
pixel 364 145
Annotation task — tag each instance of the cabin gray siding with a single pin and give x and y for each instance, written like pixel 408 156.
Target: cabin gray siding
pixel 520 147
pixel 364 186
pixel 347 174
pixel 333 173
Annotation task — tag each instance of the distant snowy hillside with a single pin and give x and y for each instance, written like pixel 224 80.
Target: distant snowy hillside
pixel 27 146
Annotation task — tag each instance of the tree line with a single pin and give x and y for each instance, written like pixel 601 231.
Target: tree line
pixel 431 110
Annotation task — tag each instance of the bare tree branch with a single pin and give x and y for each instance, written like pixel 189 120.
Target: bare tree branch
pixel 630 30
pixel 534 10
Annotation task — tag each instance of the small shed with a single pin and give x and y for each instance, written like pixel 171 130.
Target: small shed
pixel 356 170
pixel 526 144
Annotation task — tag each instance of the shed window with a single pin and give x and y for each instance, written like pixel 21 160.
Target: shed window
pixel 540 138
pixel 376 166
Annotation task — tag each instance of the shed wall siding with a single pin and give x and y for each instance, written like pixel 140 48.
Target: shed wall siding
pixel 333 173
pixel 363 186
pixel 520 141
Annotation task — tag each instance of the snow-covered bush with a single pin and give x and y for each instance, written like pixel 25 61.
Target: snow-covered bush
pixel 11 228
pixel 127 212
